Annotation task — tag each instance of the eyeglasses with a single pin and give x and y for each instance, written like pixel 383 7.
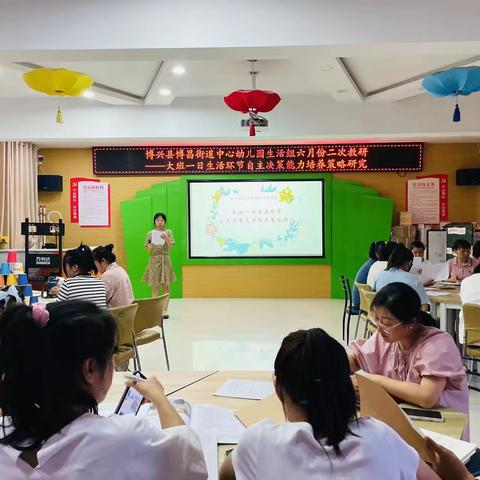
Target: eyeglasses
pixel 386 329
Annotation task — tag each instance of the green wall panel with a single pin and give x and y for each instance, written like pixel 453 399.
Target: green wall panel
pixel 359 217
pixel 136 221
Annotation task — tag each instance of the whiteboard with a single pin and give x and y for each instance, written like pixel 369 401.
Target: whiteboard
pixel 437 246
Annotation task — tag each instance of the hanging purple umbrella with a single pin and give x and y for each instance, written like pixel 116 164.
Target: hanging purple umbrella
pixel 453 82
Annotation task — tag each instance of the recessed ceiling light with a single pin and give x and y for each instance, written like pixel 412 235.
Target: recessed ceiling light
pixel 326 68
pixel 88 94
pixel 178 70
pixel 165 92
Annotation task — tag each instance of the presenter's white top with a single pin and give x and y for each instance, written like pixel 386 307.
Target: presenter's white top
pixel 289 450
pixel 375 270
pixel 116 447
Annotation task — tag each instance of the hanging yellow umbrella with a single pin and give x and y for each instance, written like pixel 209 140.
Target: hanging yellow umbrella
pixel 58 82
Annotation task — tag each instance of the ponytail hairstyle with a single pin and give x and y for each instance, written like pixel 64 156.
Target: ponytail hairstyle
pixel 41 364
pixel 399 257
pixel 81 257
pixel 385 250
pixel 403 302
pixel 312 368
pixel 104 253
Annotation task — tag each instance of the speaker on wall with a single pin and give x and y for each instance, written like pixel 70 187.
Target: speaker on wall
pixel 50 183
pixel 468 176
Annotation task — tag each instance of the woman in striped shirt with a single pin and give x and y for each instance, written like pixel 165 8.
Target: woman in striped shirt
pixel 80 284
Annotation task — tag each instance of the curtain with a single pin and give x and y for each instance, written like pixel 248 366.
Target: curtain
pixel 18 189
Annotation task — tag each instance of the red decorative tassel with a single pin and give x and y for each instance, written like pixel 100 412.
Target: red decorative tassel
pixel 252 128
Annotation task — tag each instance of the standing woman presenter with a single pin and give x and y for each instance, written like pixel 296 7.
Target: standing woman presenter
pixel 159 271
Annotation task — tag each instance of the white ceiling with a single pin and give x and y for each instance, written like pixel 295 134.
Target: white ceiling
pixel 344 79
pixel 336 63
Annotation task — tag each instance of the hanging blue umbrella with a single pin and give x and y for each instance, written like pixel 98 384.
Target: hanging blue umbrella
pixel 453 82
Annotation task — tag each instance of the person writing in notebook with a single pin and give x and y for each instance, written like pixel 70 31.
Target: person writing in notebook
pixel 56 366
pixel 410 358
pixel 159 271
pixel 322 438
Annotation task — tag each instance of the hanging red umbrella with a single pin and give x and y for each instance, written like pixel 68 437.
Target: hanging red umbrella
pixel 252 101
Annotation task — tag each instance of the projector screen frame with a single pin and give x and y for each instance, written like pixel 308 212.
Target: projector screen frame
pixel 274 258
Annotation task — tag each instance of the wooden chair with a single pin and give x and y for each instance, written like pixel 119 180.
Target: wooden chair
pixel 366 299
pixel 347 307
pixel 363 311
pixel 149 315
pixel 471 340
pixel 124 348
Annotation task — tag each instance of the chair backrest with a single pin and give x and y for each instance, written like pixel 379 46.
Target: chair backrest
pixel 366 299
pixel 471 317
pixel 125 320
pixel 150 312
pixel 363 286
pixel 346 289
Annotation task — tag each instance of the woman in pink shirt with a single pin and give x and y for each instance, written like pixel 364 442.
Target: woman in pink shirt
pixel 410 358
pixel 115 278
pixel 463 265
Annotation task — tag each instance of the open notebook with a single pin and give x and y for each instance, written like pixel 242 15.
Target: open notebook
pixel 376 402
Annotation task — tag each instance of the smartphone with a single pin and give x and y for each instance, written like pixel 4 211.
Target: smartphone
pixel 426 415
pixel 131 400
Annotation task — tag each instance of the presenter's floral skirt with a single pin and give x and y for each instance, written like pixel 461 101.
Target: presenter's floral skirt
pixel 159 270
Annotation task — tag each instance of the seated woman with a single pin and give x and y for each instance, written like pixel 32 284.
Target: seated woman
pixel 115 278
pixel 462 265
pixel 80 284
pixel 384 251
pixel 55 368
pixel 398 270
pixel 362 274
pixel 322 437
pixel 408 357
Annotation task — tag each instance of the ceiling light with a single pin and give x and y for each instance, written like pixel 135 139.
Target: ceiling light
pixel 88 94
pixel 165 92
pixel 326 68
pixel 178 70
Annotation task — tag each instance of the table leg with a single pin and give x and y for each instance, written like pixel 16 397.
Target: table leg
pixel 443 316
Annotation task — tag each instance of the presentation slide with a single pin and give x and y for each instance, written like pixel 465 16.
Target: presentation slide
pixel 280 218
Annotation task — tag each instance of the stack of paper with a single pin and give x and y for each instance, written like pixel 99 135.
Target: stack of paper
pixel 249 389
pixel 157 238
pixel 463 450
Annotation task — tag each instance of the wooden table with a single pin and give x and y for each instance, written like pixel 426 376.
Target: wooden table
pixel 448 304
pixel 198 388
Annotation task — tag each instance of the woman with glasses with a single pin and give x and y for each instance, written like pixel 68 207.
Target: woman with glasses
pixel 410 358
pixel 398 270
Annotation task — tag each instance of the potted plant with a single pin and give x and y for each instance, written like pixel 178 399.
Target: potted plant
pixel 3 242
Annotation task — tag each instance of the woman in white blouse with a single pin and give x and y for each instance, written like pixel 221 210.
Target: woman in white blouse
pixel 323 438
pixel 55 368
pixel 383 253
